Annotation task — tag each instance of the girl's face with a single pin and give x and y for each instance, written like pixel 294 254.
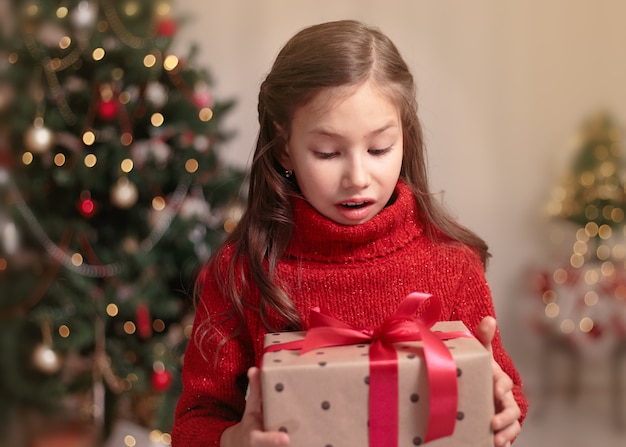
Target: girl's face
pixel 345 149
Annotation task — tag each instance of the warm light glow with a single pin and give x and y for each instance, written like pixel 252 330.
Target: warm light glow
pixel 170 62
pixel 549 296
pixel 112 310
pixel 129 327
pixel 157 119
pixel 98 54
pixel 62 12
pixel 64 331
pixel 576 261
pixel 552 310
pixel 591 277
pixel 191 165
pixel 124 98
pixel 90 160
pixel 591 228
pixel 605 232
pixel 205 114
pixel 65 42
pixel 158 325
pixel 560 276
pixel 131 8
pixel 27 158
pixel 130 441
pixel 77 259
pixel 32 10
pixel 591 298
pixel 603 252
pixel 567 326
pixel 149 60
pixel 163 8
pixel 89 138
pixel 158 203
pixel 586 324
pixel 580 248
pixel 126 139
pixel 126 165
pixel 59 159
pixel 587 179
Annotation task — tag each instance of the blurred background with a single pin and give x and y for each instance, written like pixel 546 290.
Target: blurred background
pixel 524 110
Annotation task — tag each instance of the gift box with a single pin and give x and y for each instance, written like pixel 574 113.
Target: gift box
pixel 322 397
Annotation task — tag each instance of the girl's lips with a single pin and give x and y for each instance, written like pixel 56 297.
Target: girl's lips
pixel 354 210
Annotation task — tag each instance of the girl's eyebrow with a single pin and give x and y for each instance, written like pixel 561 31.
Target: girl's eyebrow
pixel 324 131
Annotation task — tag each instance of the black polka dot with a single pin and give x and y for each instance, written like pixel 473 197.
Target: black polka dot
pixel 322 363
pixel 283 429
pixel 460 416
pixel 365 354
pixel 325 405
pixel 279 387
pixel 360 346
pixel 459 373
pixel 277 360
pixel 410 356
pixel 275 334
pixel 328 445
pixel 366 380
pixel 414 397
pixel 320 353
pixel 276 342
pixel 417 440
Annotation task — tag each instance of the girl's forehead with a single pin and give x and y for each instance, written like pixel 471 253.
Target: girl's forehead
pixel 329 98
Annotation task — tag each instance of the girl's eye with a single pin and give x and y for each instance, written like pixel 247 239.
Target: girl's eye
pixel 325 155
pixel 378 152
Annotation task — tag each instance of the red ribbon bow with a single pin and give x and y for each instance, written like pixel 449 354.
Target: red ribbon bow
pixel 326 331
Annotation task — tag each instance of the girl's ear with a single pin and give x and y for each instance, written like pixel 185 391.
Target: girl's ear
pixel 284 158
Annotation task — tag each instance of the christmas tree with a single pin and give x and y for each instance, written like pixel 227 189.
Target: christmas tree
pixel 584 294
pixel 112 194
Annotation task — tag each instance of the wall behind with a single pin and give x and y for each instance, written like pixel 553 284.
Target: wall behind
pixel 503 88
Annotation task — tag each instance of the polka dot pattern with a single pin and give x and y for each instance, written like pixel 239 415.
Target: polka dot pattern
pixel 321 398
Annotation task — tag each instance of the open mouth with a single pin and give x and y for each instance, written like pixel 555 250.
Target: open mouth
pixel 354 205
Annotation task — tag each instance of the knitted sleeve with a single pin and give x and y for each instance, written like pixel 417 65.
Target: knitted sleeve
pixel 473 303
pixel 214 381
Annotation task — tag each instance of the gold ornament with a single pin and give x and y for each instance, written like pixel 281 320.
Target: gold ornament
pixel 38 139
pixel 124 193
pixel 46 360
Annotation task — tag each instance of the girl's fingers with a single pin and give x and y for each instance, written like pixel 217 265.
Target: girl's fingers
pixel 485 331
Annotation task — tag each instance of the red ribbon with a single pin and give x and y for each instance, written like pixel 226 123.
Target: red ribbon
pixel 326 331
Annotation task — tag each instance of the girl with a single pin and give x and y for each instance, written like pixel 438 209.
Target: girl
pixel 339 214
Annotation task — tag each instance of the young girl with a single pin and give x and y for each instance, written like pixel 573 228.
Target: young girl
pixel 340 215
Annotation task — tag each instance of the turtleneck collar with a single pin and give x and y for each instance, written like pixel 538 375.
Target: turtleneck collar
pixel 318 238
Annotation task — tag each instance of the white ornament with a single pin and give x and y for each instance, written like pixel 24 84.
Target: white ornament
pixel 124 194
pixel 156 94
pixel 38 139
pixel 9 238
pixel 84 16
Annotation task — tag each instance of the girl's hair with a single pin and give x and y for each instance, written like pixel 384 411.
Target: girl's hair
pixel 328 55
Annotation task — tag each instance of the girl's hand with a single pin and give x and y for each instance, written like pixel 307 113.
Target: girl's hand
pixel 505 423
pixel 249 432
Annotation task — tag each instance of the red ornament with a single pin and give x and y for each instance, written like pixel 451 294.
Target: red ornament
pixel 166 27
pixel 161 378
pixel 107 110
pixel 144 323
pixel 87 207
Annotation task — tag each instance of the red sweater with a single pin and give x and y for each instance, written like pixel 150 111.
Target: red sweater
pixel 360 274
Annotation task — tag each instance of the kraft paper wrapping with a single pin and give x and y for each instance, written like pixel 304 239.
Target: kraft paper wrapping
pixel 321 398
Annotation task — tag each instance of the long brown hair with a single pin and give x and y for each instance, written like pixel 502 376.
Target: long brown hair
pixel 327 55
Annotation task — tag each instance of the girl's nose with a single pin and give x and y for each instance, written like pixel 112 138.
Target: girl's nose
pixel 356 174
